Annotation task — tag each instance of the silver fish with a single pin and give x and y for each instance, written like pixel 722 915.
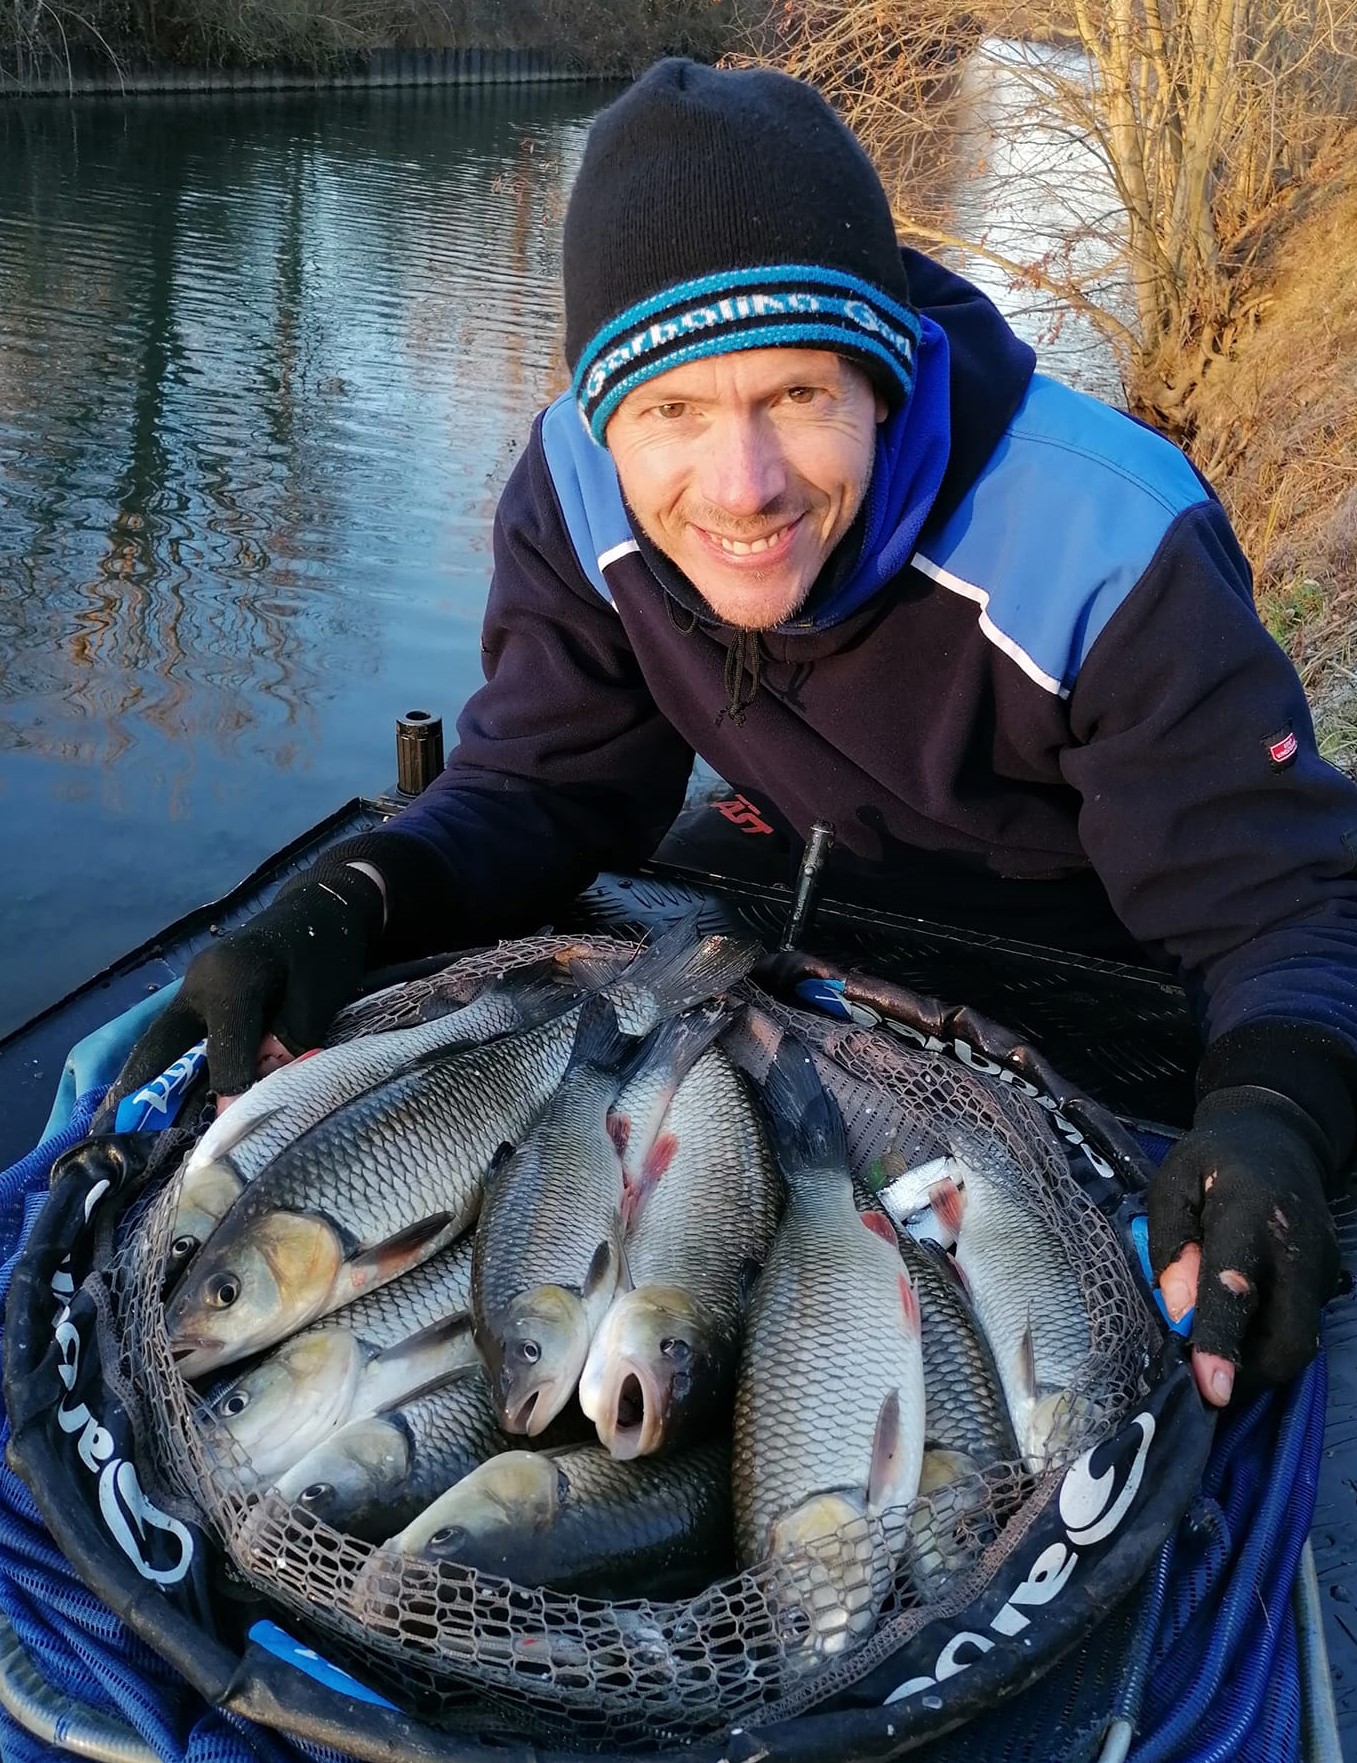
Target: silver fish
pixel 829 1411
pixel 394 1175
pixel 245 1138
pixel 1022 1280
pixel 662 1365
pixel 375 1475
pixel 578 1521
pixel 966 1409
pixel 549 1243
pixel 409 1335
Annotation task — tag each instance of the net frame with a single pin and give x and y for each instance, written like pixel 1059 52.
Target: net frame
pixel 466 1649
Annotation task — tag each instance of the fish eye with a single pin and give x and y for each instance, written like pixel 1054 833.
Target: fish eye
pixel 223 1291
pixel 236 1403
pixel 452 1536
pixel 675 1348
pixel 182 1248
pixel 316 1493
pixel 529 1352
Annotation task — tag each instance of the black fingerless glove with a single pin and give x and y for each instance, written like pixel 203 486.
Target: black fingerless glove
pixel 1250 1183
pixel 288 970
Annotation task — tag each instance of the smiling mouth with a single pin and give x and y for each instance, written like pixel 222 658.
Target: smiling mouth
pixel 751 547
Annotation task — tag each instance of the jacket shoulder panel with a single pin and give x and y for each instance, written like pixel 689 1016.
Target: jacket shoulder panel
pixel 1058 528
pixel 585 481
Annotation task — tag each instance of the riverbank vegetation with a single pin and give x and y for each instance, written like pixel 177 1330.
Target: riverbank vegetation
pixel 41 37
pixel 1186 171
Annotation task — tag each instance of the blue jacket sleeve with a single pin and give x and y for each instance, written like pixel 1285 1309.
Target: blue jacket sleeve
pixel 1222 837
pixel 563 765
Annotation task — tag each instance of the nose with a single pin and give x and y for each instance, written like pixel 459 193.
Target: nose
pixel 743 468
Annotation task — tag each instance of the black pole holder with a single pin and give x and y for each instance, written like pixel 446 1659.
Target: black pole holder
pixel 799 919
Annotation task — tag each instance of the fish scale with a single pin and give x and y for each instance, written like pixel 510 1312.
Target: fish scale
pixel 568 1175
pixel 965 1405
pixel 822 1355
pixel 426 1138
pixel 716 1206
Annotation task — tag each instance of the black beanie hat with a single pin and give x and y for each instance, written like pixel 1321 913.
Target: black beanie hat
pixel 717 210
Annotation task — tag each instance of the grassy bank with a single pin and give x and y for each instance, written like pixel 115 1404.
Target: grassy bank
pixel 39 37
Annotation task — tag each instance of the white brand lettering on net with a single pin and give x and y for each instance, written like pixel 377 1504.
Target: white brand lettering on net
pixel 1091 1507
pixel 123 1503
pixel 967 1055
pixel 160 1091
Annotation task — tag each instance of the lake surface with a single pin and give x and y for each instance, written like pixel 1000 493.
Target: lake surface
pixel 265 363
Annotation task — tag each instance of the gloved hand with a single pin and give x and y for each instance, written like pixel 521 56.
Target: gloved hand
pixel 1239 1223
pixel 287 972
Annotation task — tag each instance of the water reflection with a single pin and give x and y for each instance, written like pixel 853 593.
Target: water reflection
pixel 265 365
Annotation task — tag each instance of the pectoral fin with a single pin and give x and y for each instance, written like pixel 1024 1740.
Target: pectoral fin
pixel 888 1455
pixel 397 1255
pixel 421 1362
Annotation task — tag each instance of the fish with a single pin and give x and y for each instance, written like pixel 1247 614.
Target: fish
pixel 967 1414
pixel 394 1175
pixel 576 1520
pixel 661 1369
pixel 406 1337
pixel 548 1252
pixel 829 1410
pixel 374 1475
pixel 1022 1280
pixel 282 1106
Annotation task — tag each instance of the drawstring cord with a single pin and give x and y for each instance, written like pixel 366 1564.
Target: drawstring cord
pixel 743 657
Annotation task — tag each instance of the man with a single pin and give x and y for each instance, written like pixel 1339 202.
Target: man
pixel 808 511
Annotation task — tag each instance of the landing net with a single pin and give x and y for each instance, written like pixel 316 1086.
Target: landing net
pixel 480 1655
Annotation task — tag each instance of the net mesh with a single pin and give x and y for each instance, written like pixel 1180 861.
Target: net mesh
pixel 486 1657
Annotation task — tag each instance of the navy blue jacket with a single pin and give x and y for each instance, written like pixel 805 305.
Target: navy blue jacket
pixel 1062 717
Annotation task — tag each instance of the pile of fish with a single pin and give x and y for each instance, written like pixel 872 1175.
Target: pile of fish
pixel 570 1284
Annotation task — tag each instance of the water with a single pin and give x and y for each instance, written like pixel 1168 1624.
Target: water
pixel 265 364
pixel 264 367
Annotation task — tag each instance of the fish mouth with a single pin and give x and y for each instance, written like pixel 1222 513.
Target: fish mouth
pixel 632 1412
pixel 194 1355
pixel 534 1412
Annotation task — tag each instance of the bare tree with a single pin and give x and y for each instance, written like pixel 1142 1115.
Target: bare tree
pixel 1203 117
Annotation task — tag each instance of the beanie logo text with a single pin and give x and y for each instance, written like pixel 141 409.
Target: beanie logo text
pixel 791 307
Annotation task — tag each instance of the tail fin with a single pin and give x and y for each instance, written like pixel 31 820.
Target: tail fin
pixel 536 993
pixel 598 1040
pixel 751 1042
pixel 681 969
pixel 804 1123
pixel 678 1043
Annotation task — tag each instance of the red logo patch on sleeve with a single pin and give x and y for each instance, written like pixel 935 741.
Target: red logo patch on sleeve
pixel 1282 748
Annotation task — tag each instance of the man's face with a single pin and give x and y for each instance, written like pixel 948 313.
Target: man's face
pixel 747 469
